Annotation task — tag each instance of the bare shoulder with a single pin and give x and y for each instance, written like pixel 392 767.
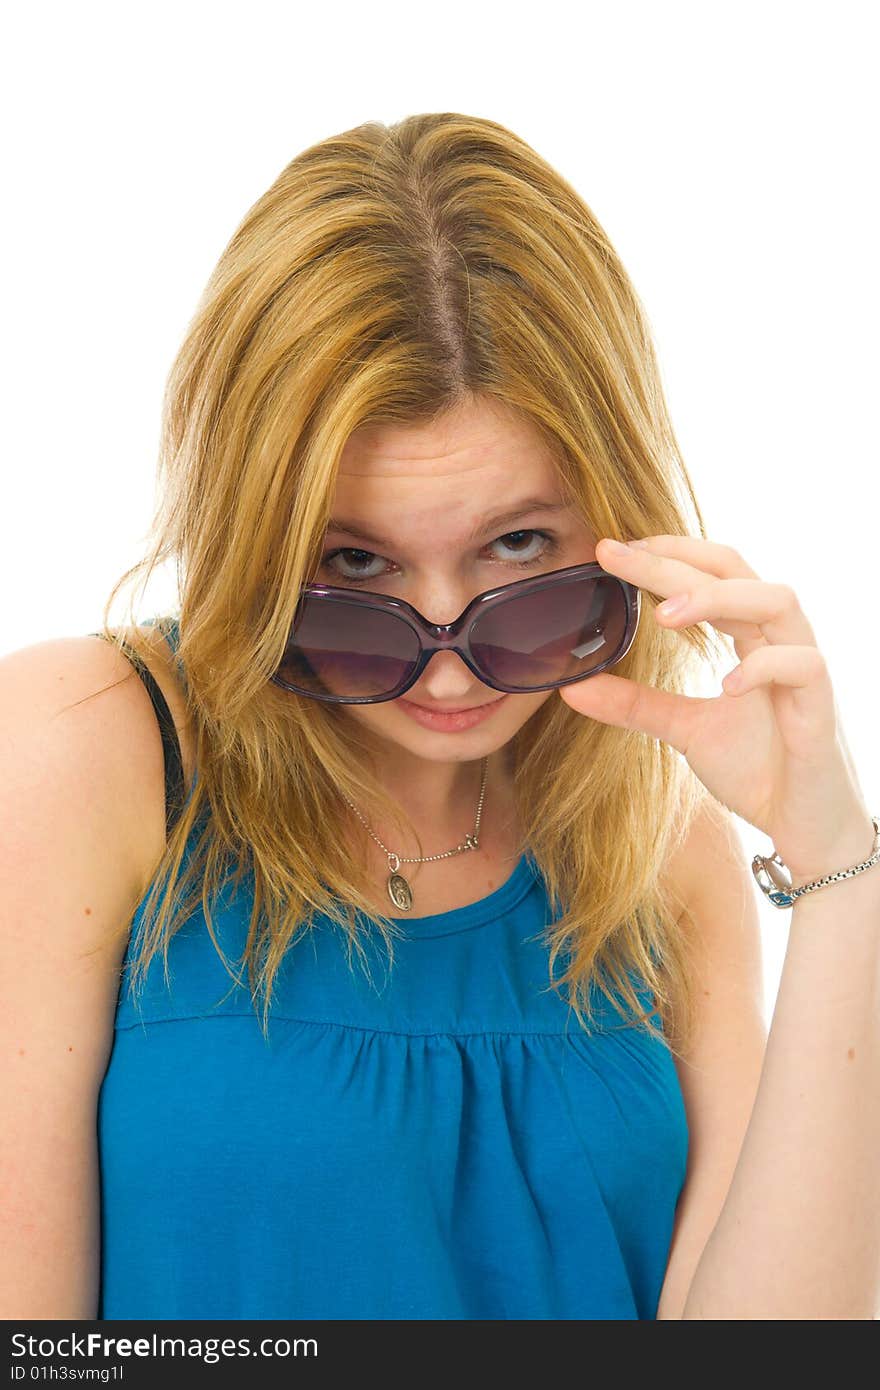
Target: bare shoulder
pixel 710 846
pixel 712 886
pixel 97 707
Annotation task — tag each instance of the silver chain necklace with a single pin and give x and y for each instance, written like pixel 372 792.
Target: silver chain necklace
pixel 399 890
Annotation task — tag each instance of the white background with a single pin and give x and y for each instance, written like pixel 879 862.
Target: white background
pixel 728 150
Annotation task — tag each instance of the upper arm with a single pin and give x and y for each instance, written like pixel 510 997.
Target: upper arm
pixel 69 879
pixel 720 1072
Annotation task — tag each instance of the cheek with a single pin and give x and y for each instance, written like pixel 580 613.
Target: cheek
pixel 522 707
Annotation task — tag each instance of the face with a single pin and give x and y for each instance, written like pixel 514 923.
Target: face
pixel 413 516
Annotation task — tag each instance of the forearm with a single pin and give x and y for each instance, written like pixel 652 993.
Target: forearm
pixel 799 1233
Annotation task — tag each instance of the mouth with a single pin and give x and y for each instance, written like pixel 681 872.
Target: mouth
pixel 449 720
pixel 441 709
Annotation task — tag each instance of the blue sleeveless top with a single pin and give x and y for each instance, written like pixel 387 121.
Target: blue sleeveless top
pixel 446 1142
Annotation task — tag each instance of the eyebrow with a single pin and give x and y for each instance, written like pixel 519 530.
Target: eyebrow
pixel 492 523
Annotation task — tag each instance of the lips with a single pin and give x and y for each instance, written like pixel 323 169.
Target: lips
pixel 440 709
pixel 450 721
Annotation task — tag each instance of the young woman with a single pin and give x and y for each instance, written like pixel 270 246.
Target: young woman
pixel 442 986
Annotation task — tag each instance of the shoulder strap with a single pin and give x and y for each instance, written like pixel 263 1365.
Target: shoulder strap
pixel 174 783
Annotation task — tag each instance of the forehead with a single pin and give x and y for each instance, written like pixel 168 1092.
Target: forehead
pixel 470 460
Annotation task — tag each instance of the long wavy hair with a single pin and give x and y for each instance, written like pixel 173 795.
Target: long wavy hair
pixel 390 273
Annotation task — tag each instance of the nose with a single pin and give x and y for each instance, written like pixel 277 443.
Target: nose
pixel 446 680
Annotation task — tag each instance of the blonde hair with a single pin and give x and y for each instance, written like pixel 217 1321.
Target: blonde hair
pixel 390 273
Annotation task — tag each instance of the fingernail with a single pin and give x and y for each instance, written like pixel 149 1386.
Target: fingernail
pixel 671 606
pixel 637 545
pixel 616 548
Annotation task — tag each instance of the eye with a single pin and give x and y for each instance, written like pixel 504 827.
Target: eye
pixel 349 565
pixel 527 555
pixel 360 571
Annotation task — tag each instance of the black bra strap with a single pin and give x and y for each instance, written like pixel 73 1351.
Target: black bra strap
pixel 174 783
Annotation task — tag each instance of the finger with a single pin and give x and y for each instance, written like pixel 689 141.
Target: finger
pixel 680 555
pixel 801 673
pixel 774 609
pixel 629 705
pixel 669 565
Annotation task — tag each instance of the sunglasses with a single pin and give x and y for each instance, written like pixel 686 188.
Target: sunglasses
pixel 351 647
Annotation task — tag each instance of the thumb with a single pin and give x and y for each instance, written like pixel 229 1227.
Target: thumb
pixel 629 705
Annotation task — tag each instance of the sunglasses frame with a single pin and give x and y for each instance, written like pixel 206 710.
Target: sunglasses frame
pixel 455 636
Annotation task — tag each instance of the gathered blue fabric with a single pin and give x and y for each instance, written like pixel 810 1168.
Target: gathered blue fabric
pixel 433 1139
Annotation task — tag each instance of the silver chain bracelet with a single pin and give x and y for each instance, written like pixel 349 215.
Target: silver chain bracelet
pixel 781 894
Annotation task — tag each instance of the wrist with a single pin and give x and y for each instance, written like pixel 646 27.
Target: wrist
pixel 851 846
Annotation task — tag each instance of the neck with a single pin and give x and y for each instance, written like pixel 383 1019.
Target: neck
pixel 440 799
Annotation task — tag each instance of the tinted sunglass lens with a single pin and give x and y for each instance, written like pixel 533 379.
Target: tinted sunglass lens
pixel 346 649
pixel 551 634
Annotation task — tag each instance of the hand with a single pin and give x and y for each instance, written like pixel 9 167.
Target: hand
pixel 770 747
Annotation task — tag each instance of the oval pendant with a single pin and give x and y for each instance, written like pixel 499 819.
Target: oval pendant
pixel 400 892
